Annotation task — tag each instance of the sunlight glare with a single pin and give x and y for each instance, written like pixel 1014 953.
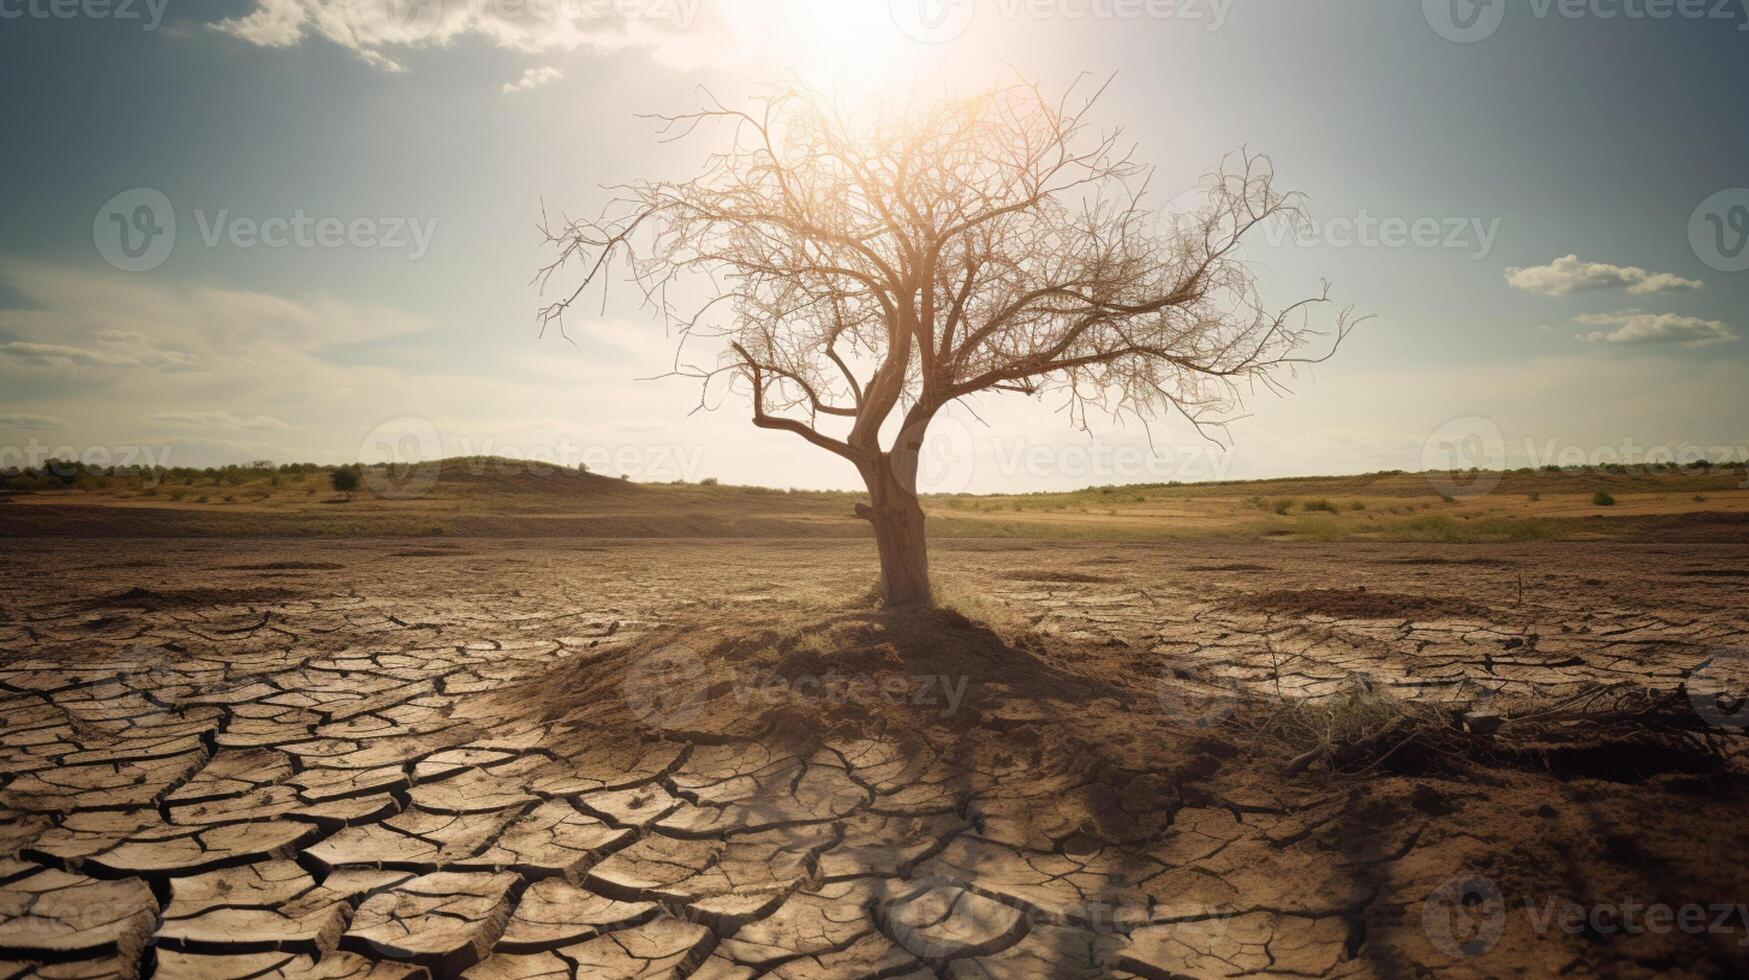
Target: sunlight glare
pixel 831 43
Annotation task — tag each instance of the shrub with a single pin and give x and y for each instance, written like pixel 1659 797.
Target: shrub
pixel 1321 505
pixel 1283 505
pixel 1602 499
pixel 709 481
pixel 345 479
pixel 1448 498
pixel 1357 505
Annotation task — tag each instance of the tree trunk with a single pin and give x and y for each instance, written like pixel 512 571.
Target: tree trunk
pixel 897 517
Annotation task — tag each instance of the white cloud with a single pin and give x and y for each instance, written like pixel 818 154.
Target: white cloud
pixel 27 421
pixel 1568 275
pixel 107 348
pixel 73 315
pixel 533 78
pixel 371 29
pixel 1635 327
pixel 216 419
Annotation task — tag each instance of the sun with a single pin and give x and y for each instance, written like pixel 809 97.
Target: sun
pixel 842 44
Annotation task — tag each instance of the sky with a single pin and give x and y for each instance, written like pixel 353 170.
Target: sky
pixel 308 229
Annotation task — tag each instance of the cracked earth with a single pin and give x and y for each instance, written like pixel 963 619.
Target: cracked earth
pixel 501 759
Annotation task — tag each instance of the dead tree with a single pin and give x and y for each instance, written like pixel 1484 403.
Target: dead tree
pixel 855 271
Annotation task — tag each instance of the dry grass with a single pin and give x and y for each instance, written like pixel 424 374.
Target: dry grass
pixel 508 498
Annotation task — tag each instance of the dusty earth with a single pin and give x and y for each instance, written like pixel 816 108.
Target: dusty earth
pixel 716 759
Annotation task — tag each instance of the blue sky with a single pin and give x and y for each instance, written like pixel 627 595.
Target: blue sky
pixel 1564 132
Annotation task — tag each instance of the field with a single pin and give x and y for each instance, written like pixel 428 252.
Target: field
pixel 521 728
pixel 505 498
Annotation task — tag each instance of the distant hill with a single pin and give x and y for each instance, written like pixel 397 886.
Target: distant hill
pixel 491 496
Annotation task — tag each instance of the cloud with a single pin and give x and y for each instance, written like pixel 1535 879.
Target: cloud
pixel 27 421
pixel 80 317
pixel 107 348
pixel 258 358
pixel 217 419
pixel 370 29
pixel 1635 327
pixel 533 78
pixel 1568 275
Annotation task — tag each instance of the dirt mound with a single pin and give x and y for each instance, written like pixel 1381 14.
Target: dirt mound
pixel 1479 562
pixel 1058 578
pixel 1357 604
pixel 154 601
pixel 863 671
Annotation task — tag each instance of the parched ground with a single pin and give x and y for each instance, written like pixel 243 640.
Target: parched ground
pixel 497 759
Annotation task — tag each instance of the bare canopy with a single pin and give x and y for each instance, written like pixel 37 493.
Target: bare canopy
pixel 855 271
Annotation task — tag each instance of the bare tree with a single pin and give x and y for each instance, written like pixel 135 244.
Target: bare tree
pixel 855 271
